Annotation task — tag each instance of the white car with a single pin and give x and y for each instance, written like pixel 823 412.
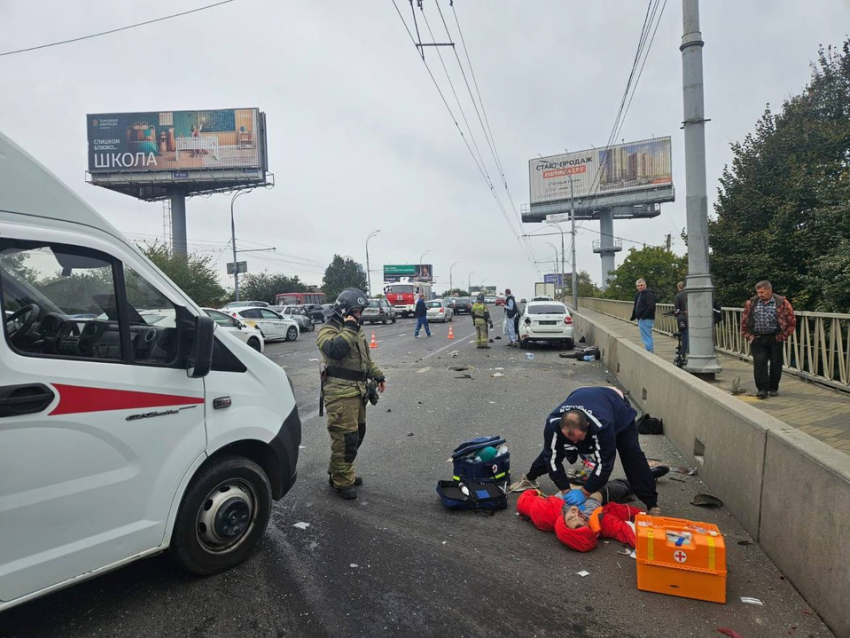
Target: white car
pixel 241 331
pixel 439 310
pixel 547 321
pixel 271 325
pixel 245 304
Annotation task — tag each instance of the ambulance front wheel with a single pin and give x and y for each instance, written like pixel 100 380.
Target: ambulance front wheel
pixel 224 513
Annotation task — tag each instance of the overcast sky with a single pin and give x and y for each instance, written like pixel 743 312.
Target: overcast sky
pixel 359 138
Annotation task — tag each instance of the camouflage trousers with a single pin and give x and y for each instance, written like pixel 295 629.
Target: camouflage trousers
pixel 481 333
pixel 347 428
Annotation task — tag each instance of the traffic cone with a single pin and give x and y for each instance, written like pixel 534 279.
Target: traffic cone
pixel 373 344
pixel 451 333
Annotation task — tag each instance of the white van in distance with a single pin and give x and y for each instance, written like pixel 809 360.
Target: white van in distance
pixel 120 438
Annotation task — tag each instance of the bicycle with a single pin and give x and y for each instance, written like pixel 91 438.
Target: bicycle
pixel 681 358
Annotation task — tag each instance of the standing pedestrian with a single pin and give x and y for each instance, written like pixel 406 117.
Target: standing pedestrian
pixel 596 423
pixel 680 309
pixel 481 319
pixel 511 311
pixel 644 312
pixel 421 314
pixel 767 322
pixel 348 369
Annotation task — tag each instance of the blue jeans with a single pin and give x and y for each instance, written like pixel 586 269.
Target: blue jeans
pixel 645 326
pixel 420 323
pixel 510 328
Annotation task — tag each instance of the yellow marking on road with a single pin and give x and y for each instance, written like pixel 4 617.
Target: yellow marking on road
pixel 420 371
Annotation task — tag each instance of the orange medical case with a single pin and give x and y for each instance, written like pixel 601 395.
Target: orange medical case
pixel 680 558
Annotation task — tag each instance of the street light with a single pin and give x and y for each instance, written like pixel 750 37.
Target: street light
pixel 555 248
pixel 369 272
pixel 469 284
pixel 233 242
pixel 451 286
pixel 563 273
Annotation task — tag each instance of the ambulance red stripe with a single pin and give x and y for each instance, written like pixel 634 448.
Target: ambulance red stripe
pixel 75 399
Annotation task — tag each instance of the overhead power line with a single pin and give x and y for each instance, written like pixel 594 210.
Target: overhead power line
pixel 478 159
pixel 125 28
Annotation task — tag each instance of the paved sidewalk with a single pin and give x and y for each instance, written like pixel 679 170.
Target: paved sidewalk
pixel 816 410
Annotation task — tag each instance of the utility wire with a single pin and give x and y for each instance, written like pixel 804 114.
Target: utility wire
pixel 488 133
pixel 130 26
pixel 465 141
pixel 651 16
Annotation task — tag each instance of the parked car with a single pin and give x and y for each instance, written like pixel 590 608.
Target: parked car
pixel 246 304
pixel 241 331
pixel 298 314
pixel 490 300
pixel 500 300
pixel 463 304
pixel 319 313
pixel 378 310
pixel 546 321
pixel 542 298
pixel 271 325
pixel 439 311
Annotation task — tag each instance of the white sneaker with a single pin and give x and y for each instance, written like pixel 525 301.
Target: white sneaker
pixel 523 484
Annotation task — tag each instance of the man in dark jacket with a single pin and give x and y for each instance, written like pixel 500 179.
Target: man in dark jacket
pixel 421 314
pixel 644 312
pixel 767 322
pixel 596 423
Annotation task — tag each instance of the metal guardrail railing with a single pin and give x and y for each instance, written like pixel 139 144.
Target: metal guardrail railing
pixel 818 350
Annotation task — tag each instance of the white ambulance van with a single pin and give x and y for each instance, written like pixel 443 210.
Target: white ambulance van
pixel 120 438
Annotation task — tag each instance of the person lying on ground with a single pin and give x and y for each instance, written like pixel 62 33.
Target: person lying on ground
pixel 603 514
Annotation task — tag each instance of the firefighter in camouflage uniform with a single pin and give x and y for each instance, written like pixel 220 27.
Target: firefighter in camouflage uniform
pixel 481 319
pixel 348 371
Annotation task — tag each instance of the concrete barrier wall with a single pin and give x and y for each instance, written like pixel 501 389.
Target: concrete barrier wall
pixel 790 491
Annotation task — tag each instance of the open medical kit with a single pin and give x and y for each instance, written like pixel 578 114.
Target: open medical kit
pixel 485 458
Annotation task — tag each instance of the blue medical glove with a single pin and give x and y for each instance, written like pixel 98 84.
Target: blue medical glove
pixel 574 497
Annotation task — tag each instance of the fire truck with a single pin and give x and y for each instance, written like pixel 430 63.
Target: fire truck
pixel 403 295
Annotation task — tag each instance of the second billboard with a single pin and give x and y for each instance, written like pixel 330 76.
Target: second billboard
pixel 618 169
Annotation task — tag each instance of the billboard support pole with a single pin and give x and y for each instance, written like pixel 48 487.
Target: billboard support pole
pixel 178 223
pixel 606 244
pixel 702 359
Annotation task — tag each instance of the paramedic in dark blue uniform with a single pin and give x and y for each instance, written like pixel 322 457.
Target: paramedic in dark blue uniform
pixel 596 423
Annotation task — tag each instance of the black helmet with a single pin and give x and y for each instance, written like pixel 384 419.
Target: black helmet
pixel 348 300
pixel 480 298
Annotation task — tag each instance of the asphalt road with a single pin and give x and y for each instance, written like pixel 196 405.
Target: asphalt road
pixel 395 562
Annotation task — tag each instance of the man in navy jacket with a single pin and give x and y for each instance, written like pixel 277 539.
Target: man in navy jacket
pixel 596 423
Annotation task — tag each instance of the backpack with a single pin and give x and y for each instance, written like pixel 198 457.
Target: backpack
pixel 650 425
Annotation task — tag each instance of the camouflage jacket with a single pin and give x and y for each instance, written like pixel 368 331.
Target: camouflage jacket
pixel 479 311
pixel 344 347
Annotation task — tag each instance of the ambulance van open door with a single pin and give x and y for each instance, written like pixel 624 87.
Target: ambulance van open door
pixel 120 439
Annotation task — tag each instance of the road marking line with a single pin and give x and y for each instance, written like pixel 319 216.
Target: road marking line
pixel 423 370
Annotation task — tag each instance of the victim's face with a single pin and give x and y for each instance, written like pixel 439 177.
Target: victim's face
pixel 574 518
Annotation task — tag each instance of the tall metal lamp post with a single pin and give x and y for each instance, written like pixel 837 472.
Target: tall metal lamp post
pixel 368 271
pixel 451 286
pixel 555 248
pixel 233 243
pixel 469 284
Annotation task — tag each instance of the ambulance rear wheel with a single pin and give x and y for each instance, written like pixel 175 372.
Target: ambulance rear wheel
pixel 223 515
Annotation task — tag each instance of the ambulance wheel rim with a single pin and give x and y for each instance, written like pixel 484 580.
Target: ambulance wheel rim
pixel 226 516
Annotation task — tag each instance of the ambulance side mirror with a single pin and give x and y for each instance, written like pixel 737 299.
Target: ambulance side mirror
pixel 200 359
